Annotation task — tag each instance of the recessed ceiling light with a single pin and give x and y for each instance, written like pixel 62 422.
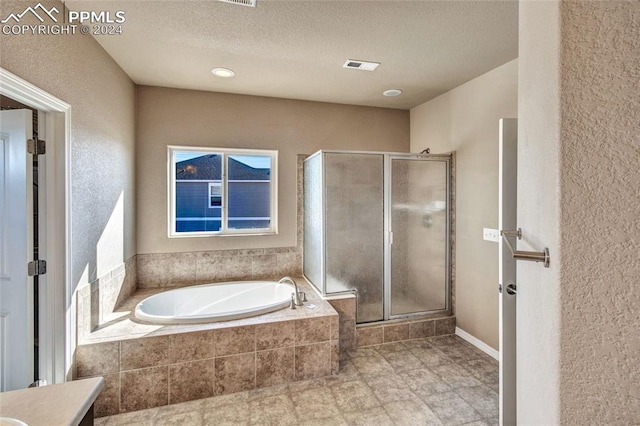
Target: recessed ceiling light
pixel 392 92
pixel 223 72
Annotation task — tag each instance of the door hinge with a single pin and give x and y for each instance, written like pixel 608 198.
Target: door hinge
pixel 37 267
pixel 36 147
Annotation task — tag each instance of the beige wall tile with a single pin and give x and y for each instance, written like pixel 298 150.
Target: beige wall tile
pixel 264 267
pixel 347 335
pixel 97 359
pixel 142 353
pixel 108 401
pixel 191 346
pixel 313 361
pixel 275 335
pixel 229 341
pixel 445 326
pixel 209 268
pixel 235 373
pixel 146 388
pixel 368 336
pixel 335 358
pixel 421 329
pixel 334 325
pixel 191 380
pixel 396 333
pixel 312 330
pixel 274 367
pixel 346 308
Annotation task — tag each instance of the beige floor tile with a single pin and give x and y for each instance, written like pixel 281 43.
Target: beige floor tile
pixel 403 361
pixel 455 376
pixel 481 398
pixel 425 382
pixel 190 418
pixel 413 412
pixel 273 410
pixel 389 388
pixel 368 391
pixel 372 416
pixel 235 414
pixel 451 409
pixel 315 404
pixel 369 365
pixel 353 396
pixel 327 421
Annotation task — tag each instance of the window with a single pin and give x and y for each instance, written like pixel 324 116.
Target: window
pixel 215 195
pixel 222 191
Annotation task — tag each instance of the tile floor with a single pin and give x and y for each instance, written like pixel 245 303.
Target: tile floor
pixel 435 381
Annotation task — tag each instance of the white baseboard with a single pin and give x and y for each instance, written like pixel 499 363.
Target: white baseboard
pixel 478 343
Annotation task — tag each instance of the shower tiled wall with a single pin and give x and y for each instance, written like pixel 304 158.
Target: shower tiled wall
pixel 404 330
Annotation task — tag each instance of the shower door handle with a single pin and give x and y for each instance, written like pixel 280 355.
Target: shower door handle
pixel 390 237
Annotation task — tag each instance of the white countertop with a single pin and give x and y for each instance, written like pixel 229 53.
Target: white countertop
pixel 53 405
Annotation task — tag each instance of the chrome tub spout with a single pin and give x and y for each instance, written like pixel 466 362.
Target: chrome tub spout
pixel 296 295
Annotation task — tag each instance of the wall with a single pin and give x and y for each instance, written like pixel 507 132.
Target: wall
pixel 578 321
pixel 186 117
pixel 465 120
pixel 77 70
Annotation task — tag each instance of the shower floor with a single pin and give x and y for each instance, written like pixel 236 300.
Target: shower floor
pixel 434 381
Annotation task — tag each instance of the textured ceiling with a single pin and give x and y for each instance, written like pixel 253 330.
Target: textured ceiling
pixel 295 49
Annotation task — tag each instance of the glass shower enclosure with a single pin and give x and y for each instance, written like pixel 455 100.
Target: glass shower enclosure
pixel 377 224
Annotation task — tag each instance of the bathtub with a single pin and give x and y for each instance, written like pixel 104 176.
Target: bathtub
pixel 214 302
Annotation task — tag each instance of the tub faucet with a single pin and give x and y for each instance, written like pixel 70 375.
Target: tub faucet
pixel 296 296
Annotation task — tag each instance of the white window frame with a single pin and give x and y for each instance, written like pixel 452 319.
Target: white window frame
pixel 224 230
pixel 215 183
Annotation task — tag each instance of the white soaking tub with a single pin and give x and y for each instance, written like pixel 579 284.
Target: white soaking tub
pixel 214 302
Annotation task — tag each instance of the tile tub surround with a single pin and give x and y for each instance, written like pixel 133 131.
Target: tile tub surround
pixel 97 300
pixel 434 381
pixel 346 308
pixel 148 365
pixel 398 331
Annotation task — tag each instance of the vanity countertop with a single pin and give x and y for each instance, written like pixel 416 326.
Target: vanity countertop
pixel 61 404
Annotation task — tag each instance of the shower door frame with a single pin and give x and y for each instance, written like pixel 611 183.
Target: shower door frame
pixel 388 160
pixel 386 199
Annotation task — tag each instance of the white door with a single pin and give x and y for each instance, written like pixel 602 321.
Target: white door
pixel 16 315
pixel 507 199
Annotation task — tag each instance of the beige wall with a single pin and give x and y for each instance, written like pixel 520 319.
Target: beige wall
pixel 187 117
pixel 579 322
pixel 77 70
pixel 465 120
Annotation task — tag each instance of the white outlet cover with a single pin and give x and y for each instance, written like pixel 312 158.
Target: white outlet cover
pixel 490 234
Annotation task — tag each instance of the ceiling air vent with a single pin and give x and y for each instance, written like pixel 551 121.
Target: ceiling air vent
pixel 360 65
pixel 249 3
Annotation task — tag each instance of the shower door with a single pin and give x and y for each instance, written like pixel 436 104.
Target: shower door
pixel 418 224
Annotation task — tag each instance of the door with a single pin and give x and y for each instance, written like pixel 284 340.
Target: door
pixel 418 244
pixel 16 340
pixel 507 203
pixel 354 218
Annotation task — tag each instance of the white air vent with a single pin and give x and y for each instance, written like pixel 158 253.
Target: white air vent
pixel 249 3
pixel 360 65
